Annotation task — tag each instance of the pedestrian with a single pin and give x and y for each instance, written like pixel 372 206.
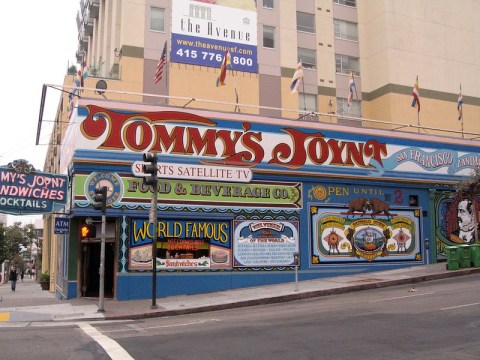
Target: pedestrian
pixel 13 277
pixel 22 274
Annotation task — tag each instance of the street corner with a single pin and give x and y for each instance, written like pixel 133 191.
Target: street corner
pixel 23 317
pixel 4 317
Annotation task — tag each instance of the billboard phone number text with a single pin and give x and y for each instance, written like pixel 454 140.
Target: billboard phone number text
pixel 210 52
pixel 210 56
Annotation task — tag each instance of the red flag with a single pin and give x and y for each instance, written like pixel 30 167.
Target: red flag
pixel 223 69
pixel 161 64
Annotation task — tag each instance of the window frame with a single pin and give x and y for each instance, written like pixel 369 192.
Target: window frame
pixel 268 4
pixel 305 100
pixel 346 63
pixel 343 30
pixel 160 19
pixel 274 30
pixel 351 3
pixel 307 28
pixel 355 110
pixel 302 54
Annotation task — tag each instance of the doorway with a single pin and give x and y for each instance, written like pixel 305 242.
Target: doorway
pixel 91 269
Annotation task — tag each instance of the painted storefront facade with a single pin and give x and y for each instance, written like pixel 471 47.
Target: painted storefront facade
pixel 239 196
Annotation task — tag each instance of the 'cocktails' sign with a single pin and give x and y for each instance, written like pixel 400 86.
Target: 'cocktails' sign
pixel 23 190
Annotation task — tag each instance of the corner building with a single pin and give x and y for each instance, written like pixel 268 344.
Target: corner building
pixel 251 175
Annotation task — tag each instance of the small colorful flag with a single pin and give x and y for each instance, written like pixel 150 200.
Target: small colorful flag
pixel 77 82
pixel 460 104
pixel 351 86
pixel 223 69
pixel 84 71
pixel 161 64
pixel 297 76
pixel 416 95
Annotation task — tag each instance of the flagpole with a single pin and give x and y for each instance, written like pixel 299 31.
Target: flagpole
pixel 303 95
pixel 166 74
pixel 461 110
pixel 237 108
pixel 418 121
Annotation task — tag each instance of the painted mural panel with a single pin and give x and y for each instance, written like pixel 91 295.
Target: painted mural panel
pixel 265 243
pixel 355 233
pixel 455 221
pixel 182 244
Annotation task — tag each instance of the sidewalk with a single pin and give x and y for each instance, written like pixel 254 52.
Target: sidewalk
pixel 29 303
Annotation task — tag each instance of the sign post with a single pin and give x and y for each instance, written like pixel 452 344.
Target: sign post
pixel 296 260
pixel 427 247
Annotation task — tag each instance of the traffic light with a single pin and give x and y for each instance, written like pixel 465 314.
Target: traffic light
pixel 100 199
pixel 150 170
pixel 88 231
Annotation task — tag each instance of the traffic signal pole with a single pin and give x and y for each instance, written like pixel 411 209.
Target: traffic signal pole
pixel 154 245
pixel 151 178
pixel 101 295
pixel 101 204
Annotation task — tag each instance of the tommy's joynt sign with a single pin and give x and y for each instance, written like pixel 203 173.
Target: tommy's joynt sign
pixel 23 190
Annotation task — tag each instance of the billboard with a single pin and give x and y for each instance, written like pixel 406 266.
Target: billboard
pixel 203 32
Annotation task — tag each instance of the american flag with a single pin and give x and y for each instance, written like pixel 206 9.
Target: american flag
pixel 161 64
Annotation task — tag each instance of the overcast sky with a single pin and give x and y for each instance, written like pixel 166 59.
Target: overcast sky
pixel 39 41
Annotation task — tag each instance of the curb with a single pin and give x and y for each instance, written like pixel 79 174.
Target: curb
pixel 293 297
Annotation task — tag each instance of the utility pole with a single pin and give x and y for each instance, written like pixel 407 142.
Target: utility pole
pixel 101 204
pixel 151 178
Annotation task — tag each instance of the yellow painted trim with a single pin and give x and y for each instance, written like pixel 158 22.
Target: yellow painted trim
pixel 5 316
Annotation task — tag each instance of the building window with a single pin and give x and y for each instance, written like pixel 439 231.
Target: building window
pixel 268 4
pixel 305 22
pixel 157 19
pixel 345 30
pixel 352 3
pixel 308 57
pixel 307 102
pixel 268 37
pixel 344 63
pixel 352 110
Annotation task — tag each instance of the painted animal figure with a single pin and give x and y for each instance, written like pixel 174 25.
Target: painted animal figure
pixel 378 206
pixel 359 204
